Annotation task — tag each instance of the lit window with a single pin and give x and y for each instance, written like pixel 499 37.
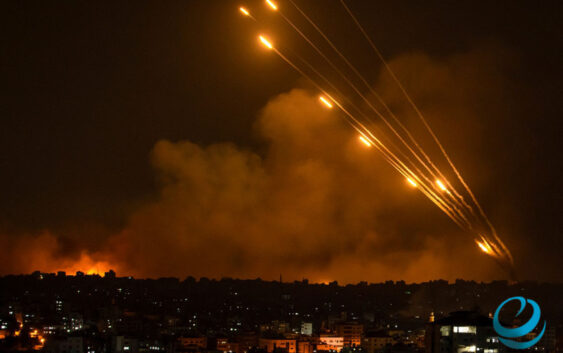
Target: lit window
pixel 445 330
pixel 465 329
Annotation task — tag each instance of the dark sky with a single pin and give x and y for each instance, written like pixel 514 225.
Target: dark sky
pixel 90 88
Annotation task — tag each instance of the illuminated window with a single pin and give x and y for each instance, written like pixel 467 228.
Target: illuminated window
pixel 445 330
pixel 465 329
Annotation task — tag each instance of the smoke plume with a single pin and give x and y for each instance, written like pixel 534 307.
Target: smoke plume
pixel 314 204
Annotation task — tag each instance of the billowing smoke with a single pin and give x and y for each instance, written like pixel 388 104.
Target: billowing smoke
pixel 315 204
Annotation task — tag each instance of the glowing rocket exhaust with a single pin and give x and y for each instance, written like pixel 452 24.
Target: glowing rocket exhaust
pixel 244 11
pixel 266 42
pixel 482 247
pixel 272 4
pixel 365 141
pixel 441 185
pixel 486 247
pixel 325 102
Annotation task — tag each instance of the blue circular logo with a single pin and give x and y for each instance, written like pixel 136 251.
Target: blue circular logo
pixel 521 331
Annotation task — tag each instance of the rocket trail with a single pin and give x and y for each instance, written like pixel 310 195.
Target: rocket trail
pixel 352 85
pixel 272 4
pixel 459 207
pixel 390 157
pixel 325 102
pixel 428 189
pixel 430 131
pixel 435 186
pixel 266 42
pixel 382 102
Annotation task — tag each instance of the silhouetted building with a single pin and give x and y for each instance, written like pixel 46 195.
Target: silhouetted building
pixel 65 345
pixel 462 331
pixel 377 341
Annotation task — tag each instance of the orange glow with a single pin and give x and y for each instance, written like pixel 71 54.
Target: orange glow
pixel 412 182
pixel 244 11
pixel 365 141
pixel 441 185
pixel 266 42
pixel 483 247
pixel 87 265
pixel 272 4
pixel 325 102
pixel 41 344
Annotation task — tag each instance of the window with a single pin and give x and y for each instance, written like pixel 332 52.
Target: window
pixel 465 329
pixel 445 330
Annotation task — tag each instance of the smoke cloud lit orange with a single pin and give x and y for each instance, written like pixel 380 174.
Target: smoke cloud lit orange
pixel 314 204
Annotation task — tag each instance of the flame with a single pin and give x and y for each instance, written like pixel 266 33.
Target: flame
pixel 87 265
pixel 441 185
pixel 244 11
pixel 272 4
pixel 365 141
pixel 484 246
pixel 266 42
pixel 41 344
pixel 325 102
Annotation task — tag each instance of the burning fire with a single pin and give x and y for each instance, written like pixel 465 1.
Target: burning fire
pixel 89 266
pixel 85 264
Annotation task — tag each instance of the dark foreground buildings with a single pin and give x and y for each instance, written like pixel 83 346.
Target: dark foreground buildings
pixel 93 314
pixel 462 331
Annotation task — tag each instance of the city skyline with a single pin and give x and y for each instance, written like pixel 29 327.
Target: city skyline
pixel 91 313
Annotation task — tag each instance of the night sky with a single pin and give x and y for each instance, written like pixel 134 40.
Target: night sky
pixel 158 138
